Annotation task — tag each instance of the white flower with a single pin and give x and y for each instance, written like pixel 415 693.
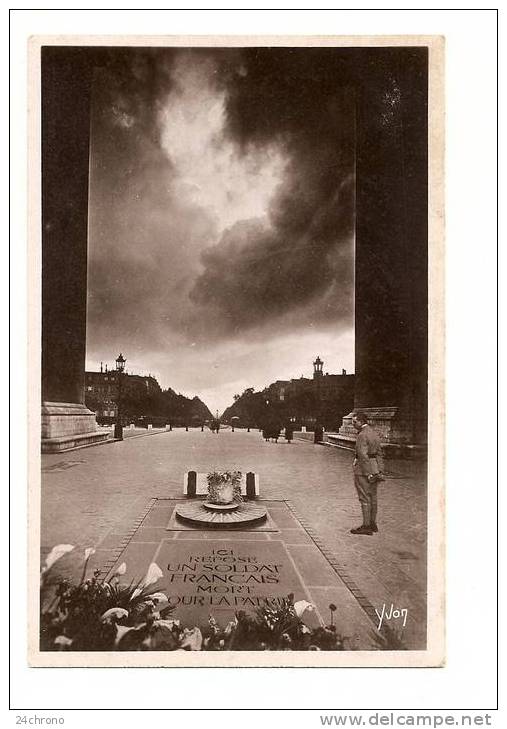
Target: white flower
pixel 112 613
pixel 301 606
pixel 121 569
pixel 88 553
pixel 305 629
pixel 192 639
pixel 169 623
pixel 231 626
pixel 158 597
pixel 63 642
pixel 55 554
pixel 153 575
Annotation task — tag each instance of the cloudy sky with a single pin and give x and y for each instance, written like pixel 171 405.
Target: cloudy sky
pixel 221 241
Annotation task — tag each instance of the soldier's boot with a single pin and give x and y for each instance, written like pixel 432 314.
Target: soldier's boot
pixel 362 530
pixel 365 527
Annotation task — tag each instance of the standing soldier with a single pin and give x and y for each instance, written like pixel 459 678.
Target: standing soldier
pixel 368 467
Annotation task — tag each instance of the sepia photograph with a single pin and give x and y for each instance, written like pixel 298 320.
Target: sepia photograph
pixel 237 259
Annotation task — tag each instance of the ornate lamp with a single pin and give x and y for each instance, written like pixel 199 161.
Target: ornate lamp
pixel 120 368
pixel 120 363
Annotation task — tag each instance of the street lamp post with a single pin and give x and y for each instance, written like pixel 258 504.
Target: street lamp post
pixel 120 367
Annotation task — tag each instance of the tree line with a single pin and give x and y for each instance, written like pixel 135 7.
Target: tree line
pixel 259 410
pixel 158 408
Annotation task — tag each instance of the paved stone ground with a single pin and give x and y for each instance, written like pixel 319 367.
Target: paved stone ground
pixel 90 494
pixel 132 432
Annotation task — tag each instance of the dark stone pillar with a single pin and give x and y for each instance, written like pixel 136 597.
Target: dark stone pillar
pixel 391 245
pixel 65 90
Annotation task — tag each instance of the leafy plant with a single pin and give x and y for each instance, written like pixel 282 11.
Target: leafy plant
pixel 388 639
pixel 108 616
pixel 95 615
pixel 80 612
pixel 218 479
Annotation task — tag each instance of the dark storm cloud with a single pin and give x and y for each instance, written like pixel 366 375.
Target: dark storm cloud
pixel 304 250
pixel 221 198
pixel 130 85
pixel 257 272
pixel 144 238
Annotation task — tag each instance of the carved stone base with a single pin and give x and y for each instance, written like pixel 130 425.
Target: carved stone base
pixel 246 514
pixel 395 433
pixel 68 425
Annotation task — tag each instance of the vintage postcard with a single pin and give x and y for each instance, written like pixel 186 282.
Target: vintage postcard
pixel 237 389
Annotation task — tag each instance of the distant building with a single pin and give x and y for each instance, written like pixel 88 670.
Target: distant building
pixel 101 390
pixel 325 398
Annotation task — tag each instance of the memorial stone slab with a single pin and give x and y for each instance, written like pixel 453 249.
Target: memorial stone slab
pixel 221 577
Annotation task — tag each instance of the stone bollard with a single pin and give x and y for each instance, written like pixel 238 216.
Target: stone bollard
pixel 167 426
pixel 303 428
pixel 132 426
pixel 150 426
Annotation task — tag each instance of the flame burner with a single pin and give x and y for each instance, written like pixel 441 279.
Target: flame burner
pixel 221 516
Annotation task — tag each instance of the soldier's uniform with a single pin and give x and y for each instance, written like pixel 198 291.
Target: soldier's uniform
pixel 368 461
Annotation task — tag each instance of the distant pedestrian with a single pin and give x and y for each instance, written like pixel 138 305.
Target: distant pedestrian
pixel 289 433
pixel 368 469
pixel 318 434
pixel 271 432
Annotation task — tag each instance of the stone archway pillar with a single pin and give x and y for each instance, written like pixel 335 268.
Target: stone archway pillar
pixel 66 87
pixel 391 276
